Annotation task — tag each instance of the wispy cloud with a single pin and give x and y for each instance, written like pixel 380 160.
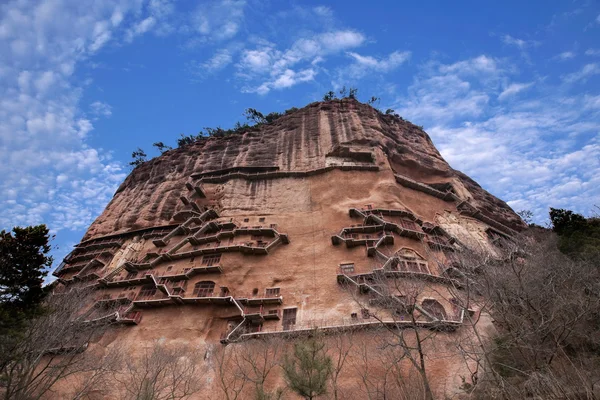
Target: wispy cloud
pixel 286 79
pixel 535 154
pixel 583 74
pixel 520 43
pixel 592 52
pixel 216 21
pixel 280 65
pixel 513 89
pixel 99 108
pixel 50 173
pixel 323 11
pixel 388 63
pixel 565 55
pixel 139 28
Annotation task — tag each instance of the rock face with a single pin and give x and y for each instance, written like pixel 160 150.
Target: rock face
pixel 258 233
pixel 309 139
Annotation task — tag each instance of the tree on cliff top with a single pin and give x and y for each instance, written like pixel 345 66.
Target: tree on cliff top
pixel 139 157
pixel 308 369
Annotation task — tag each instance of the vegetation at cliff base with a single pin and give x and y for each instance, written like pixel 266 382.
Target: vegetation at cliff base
pixel 24 260
pixel 308 368
pixel 579 237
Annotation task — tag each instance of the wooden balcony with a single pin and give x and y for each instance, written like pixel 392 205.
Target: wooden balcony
pixel 130 318
pixel 258 300
pixel 208 298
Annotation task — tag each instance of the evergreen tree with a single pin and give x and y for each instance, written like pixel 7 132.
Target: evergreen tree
pixel 23 262
pixel 308 369
pixel 329 96
pixel 139 157
pixel 162 147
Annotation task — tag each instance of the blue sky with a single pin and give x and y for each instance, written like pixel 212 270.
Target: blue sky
pixel 509 92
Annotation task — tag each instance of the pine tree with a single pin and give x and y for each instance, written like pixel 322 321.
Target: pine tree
pixel 308 369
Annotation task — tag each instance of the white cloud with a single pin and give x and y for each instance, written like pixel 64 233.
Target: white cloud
pixel 520 43
pixel 323 11
pixel 592 52
pixel 50 173
pixel 340 40
pixel 513 89
pixel 393 61
pixel 583 74
pixel 99 108
pixel 286 79
pixel 267 58
pixel 139 28
pixel 276 69
pixel 566 55
pixel 364 65
pixel 217 20
pixel 534 154
pixel 220 60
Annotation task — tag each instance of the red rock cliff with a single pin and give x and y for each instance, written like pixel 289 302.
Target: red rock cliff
pixel 308 139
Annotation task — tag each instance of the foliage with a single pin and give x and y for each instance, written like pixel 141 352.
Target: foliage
pixel 565 222
pixel 184 140
pixel 162 147
pixel 578 237
pixel 329 96
pixel 526 216
pixel 308 369
pixel 254 115
pixel 352 93
pixel 23 260
pixel 139 157
pixel 373 100
pixel 392 112
pixel 545 307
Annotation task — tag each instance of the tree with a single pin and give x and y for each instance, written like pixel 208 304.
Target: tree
pixel 373 100
pixel 52 345
pixel 162 147
pixel 329 96
pixel 526 216
pixel 352 93
pixel 255 361
pixel 164 372
pixel 545 307
pixel 23 260
pixel 565 222
pixel 343 92
pixel 579 237
pixel 308 369
pixel 272 116
pixel 139 157
pixel 230 382
pixel 340 348
pixel 254 115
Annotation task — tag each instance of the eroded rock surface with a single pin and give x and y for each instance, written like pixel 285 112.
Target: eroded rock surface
pixel 289 227
pixel 308 139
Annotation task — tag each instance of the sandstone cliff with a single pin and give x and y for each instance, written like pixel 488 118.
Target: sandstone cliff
pixel 314 221
pixel 304 140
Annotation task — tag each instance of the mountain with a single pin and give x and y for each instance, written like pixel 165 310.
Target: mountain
pixel 287 227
